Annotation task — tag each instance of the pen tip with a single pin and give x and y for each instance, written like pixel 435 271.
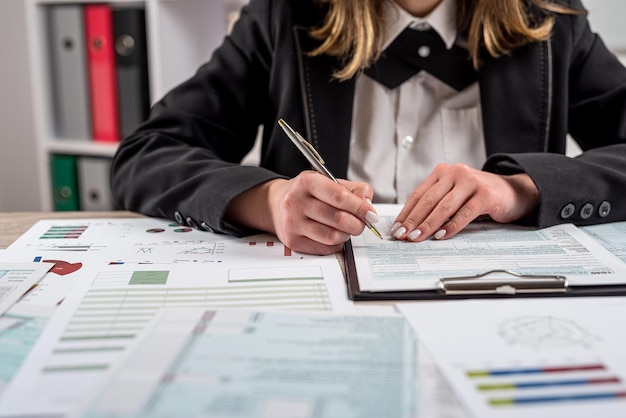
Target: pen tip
pixel 375 231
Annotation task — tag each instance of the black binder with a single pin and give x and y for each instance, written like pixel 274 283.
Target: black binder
pixel 131 63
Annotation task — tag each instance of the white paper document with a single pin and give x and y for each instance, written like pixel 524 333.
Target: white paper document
pixel 16 279
pixel 198 362
pixel 131 242
pixel 56 283
pixel 142 236
pixel 562 250
pixel 28 317
pixel 110 304
pixel 139 265
pixel 545 357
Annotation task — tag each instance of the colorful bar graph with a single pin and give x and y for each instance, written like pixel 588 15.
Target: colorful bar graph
pixel 553 383
pixel 64 232
pixel 535 370
pixel 588 388
pixel 556 398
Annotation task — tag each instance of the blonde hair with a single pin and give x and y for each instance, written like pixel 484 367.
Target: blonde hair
pixel 353 28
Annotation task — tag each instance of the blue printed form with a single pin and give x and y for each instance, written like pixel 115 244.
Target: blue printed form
pixel 198 362
pixel 17 335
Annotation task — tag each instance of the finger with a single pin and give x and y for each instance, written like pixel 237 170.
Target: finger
pixel 329 224
pixel 363 190
pixel 449 206
pixel 421 210
pixel 420 199
pixel 304 214
pixel 414 197
pixel 343 199
pixel 463 217
pixel 367 212
pixel 300 227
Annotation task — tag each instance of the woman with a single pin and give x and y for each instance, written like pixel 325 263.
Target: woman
pixel 481 133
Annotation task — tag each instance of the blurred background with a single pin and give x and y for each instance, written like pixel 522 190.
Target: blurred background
pixel 180 36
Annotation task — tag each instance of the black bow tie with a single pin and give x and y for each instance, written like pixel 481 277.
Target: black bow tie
pixel 415 50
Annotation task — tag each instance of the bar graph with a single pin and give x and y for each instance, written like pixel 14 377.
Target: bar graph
pixel 557 398
pixel 543 357
pixel 64 232
pixel 534 370
pixel 509 387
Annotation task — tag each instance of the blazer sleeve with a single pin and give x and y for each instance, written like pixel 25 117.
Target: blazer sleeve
pixel 589 188
pixel 183 163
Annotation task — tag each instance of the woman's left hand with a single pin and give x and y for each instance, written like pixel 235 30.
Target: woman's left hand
pixel 454 195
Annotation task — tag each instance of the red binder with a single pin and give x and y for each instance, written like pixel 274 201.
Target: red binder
pixel 101 70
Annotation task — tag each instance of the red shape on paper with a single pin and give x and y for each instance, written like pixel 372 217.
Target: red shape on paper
pixel 63 267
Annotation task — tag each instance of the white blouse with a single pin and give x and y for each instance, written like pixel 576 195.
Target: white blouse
pixel 398 136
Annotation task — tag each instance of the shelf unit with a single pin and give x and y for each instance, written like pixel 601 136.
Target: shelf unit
pixel 181 35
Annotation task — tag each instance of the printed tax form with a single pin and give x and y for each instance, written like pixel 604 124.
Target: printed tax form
pixel 559 251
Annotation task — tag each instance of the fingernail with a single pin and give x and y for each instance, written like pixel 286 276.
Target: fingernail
pixel 440 234
pixel 399 232
pixel 395 226
pixel 368 200
pixel 413 235
pixel 371 217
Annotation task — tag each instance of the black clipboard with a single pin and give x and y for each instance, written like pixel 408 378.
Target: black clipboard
pixel 473 287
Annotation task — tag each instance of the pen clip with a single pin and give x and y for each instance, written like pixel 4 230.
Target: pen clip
pixel 310 153
pixel 308 145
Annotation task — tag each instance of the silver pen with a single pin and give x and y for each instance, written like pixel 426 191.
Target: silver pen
pixel 316 161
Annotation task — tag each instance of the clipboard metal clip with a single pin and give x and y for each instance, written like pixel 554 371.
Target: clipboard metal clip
pixel 519 283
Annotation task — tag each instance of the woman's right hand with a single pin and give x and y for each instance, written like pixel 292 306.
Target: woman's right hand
pixel 309 213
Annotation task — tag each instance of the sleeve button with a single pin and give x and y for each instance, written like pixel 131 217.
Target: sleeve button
pixel 206 227
pixel 604 209
pixel 191 222
pixel 568 210
pixel 586 211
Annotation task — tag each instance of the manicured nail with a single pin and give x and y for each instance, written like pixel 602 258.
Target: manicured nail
pixel 368 200
pixel 399 232
pixel 371 217
pixel 440 234
pixel 413 235
pixel 394 227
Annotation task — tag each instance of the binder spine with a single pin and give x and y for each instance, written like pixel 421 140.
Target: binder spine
pixel 102 75
pixel 131 59
pixel 70 90
pixel 93 183
pixel 64 182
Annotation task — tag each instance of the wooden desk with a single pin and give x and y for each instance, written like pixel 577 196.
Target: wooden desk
pixel 14 224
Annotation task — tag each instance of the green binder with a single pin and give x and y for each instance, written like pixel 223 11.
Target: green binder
pixel 64 182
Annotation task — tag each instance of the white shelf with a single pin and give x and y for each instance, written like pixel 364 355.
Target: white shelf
pixel 182 35
pixel 81 147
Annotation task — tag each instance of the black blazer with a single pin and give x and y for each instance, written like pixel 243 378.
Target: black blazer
pixel 183 163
